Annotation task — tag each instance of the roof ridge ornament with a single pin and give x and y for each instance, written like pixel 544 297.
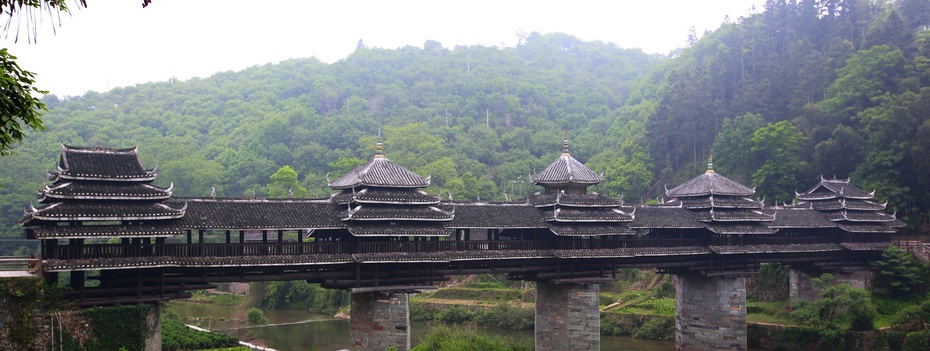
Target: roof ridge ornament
pixel 565 143
pixel 710 161
pixel 378 146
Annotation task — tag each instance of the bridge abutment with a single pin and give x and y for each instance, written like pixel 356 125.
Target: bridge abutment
pixel 567 317
pixel 710 313
pixel 380 320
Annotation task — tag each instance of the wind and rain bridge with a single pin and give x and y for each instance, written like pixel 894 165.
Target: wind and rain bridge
pixel 122 240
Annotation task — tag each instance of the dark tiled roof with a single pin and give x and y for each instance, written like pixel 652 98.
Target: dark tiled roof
pixel 106 231
pixel 380 172
pixel 566 169
pixel 739 228
pixel 97 190
pixel 880 228
pixel 665 217
pixel 373 212
pixel 494 215
pixel 239 214
pixel 570 214
pixel 575 200
pixel 385 196
pixel 859 216
pixel 828 188
pixel 405 229
pixel 101 164
pixel 744 249
pixel 735 215
pixel 718 202
pixel 800 218
pixel 841 203
pixel 591 229
pixel 105 211
pixel 710 183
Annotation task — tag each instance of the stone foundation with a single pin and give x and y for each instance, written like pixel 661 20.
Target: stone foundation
pixel 802 289
pixel 710 313
pixel 567 317
pixel 379 321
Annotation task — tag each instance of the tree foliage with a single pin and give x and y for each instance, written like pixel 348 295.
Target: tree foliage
pixel 900 275
pixel 19 109
pixel 839 307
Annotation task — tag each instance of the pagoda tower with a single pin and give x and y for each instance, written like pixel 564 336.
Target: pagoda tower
pixel 568 208
pixel 722 204
pixel 384 199
pixel 849 207
pixel 99 194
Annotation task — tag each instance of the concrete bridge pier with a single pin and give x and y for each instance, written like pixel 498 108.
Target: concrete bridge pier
pixel 567 317
pixel 379 320
pixel 801 288
pixel 710 313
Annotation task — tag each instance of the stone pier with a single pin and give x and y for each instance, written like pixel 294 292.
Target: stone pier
pixel 710 313
pixel 567 317
pixel 379 320
pixel 801 288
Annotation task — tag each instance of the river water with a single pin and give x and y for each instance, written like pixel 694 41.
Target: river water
pixel 293 330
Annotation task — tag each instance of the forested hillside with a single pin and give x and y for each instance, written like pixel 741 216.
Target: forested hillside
pixel 800 89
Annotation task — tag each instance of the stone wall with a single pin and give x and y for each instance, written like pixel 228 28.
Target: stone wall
pixel 379 321
pixel 567 317
pixel 710 313
pixel 802 289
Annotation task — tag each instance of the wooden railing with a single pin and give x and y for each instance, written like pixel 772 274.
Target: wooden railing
pixel 95 251
pixel 20 263
pixel 760 240
pixel 921 250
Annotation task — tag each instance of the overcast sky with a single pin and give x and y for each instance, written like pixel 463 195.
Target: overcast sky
pixel 115 43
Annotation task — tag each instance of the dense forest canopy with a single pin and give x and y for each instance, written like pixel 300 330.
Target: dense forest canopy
pixel 802 89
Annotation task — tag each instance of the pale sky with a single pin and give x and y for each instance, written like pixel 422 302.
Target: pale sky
pixel 115 43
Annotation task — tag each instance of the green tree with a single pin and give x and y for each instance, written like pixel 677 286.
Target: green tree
pixel 839 306
pixel 733 146
pixel 900 275
pixel 778 147
pixel 284 184
pixel 19 110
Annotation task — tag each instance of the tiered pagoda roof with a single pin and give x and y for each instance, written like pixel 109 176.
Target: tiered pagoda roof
pixel 849 207
pixel 569 210
pixel 722 204
pixel 566 174
pixel 94 187
pixel 382 198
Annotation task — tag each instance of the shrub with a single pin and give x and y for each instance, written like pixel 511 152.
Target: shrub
pixel 456 314
pixel 448 339
pixel 508 316
pixel 656 329
pixel 255 316
pixel 176 336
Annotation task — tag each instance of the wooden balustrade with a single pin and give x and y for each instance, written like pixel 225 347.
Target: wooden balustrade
pixel 97 251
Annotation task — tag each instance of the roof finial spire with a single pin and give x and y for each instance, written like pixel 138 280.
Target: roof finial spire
pixel 710 161
pixel 565 143
pixel 378 146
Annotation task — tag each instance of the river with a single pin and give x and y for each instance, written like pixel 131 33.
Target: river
pixel 293 330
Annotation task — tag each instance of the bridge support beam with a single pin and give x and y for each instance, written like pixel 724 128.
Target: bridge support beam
pixel 801 287
pixel 380 320
pixel 567 317
pixel 710 313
